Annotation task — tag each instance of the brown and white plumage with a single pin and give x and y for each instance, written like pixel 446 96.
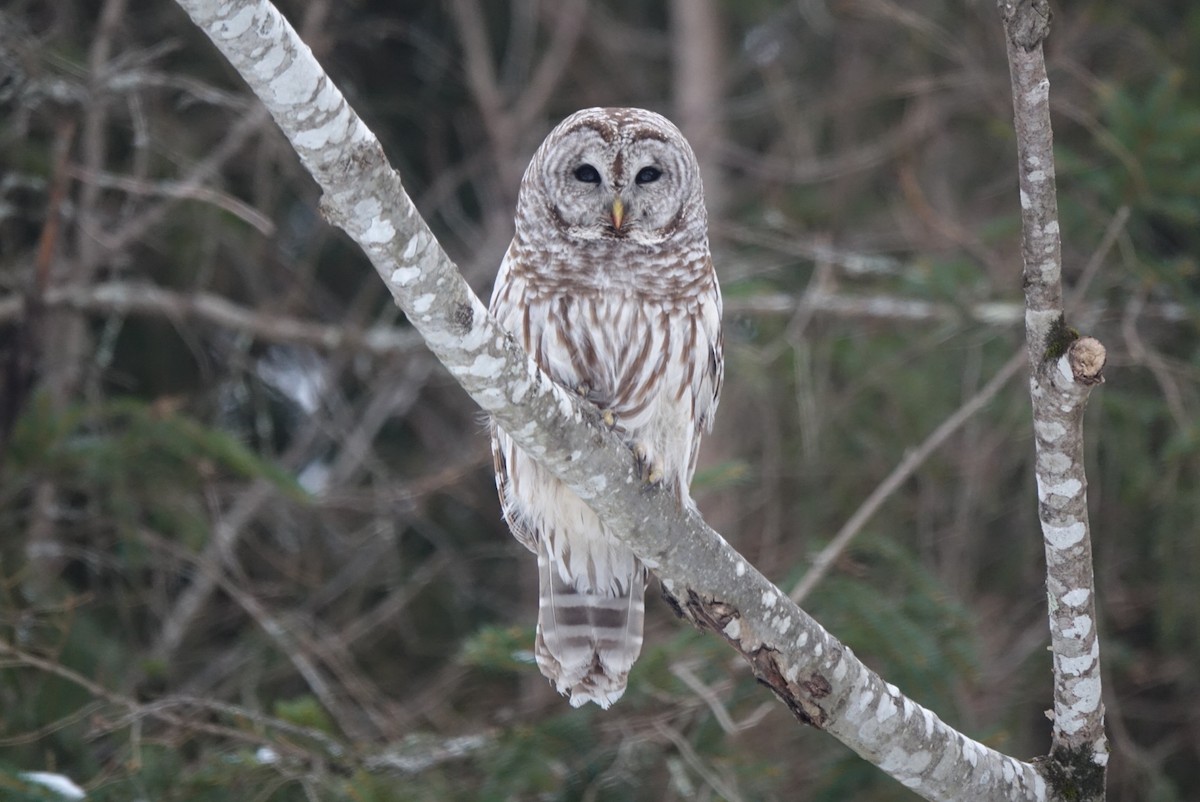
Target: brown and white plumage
pixel 609 285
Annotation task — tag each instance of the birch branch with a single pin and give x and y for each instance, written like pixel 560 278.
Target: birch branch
pixel 819 679
pixel 1063 369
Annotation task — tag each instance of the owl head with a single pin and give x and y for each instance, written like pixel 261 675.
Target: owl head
pixel 620 175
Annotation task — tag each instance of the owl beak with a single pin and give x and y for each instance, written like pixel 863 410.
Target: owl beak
pixel 618 213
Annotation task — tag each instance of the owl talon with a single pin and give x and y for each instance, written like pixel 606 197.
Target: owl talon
pixel 609 419
pixel 651 474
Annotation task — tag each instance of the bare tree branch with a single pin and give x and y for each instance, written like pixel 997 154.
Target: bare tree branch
pixel 307 745
pixel 144 298
pixel 912 460
pixel 1064 368
pixel 503 116
pixel 127 297
pixel 917 456
pixel 181 191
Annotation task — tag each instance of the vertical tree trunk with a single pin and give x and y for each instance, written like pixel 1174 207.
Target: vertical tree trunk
pixel 1063 369
pixel 698 56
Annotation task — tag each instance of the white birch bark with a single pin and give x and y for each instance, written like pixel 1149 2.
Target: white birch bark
pixel 1063 369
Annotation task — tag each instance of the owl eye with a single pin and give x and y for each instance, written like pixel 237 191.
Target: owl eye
pixel 648 175
pixel 587 174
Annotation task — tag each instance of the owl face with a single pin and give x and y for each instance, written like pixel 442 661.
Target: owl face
pixel 619 174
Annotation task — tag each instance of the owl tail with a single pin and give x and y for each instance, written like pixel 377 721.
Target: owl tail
pixel 587 642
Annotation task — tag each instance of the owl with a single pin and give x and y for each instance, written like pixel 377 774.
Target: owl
pixel 609 285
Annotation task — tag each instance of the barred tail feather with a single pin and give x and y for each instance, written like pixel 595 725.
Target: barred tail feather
pixel 587 642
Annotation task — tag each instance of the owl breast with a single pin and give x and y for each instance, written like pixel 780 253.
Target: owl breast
pixel 645 357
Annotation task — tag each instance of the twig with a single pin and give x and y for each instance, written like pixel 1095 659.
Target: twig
pixel 504 116
pixel 688 677
pixel 915 458
pixel 415 754
pixel 420 754
pixel 569 19
pixel 134 708
pixel 683 670
pixel 900 474
pixel 1153 361
pixel 179 191
pixel 132 230
pixel 698 765
pixel 179 618
pixel 143 298
pixel 74 717
pixel 910 310
pixel 1111 232
pixel 135 297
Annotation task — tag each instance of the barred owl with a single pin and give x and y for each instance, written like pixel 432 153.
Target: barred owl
pixel 609 285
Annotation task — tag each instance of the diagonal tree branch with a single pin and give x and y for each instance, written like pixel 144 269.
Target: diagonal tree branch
pixel 819 679
pixel 1064 368
pixel 913 459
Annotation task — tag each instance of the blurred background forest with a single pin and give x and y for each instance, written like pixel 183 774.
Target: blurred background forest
pixel 249 542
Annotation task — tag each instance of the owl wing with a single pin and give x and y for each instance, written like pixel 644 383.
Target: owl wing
pixel 709 356
pixel 508 307
pixel 516 523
